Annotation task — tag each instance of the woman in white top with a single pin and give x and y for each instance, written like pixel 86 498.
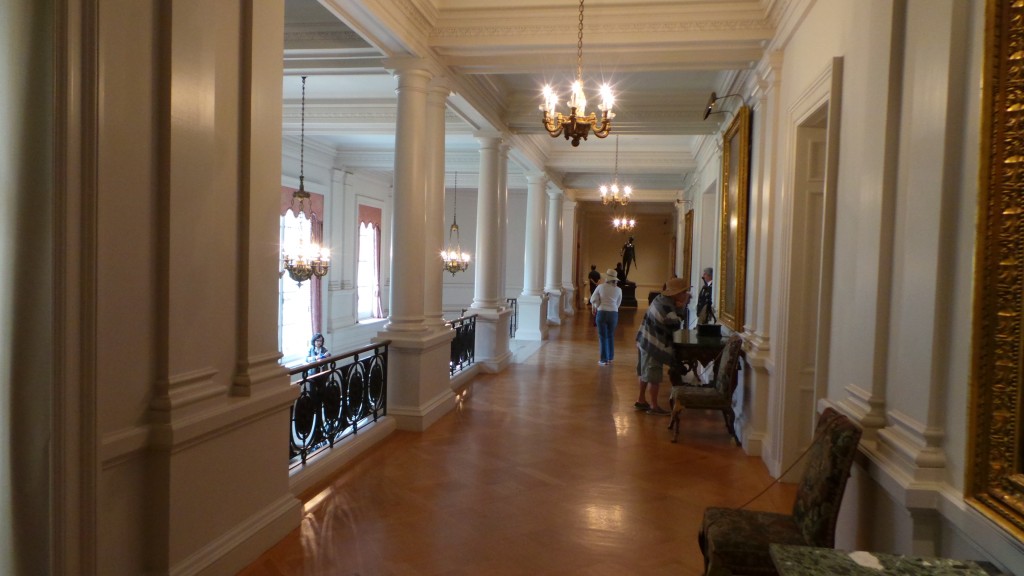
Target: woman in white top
pixel 605 305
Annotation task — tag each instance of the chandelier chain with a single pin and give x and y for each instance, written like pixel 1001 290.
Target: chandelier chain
pixel 302 135
pixel 455 200
pixel 579 48
pixel 616 158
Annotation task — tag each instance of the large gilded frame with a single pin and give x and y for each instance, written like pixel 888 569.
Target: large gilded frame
pixel 995 476
pixel 731 276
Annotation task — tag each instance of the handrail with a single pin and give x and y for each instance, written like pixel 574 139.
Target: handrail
pixel 337 396
pixel 463 347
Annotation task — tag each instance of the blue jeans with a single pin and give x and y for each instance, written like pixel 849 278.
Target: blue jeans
pixel 606 323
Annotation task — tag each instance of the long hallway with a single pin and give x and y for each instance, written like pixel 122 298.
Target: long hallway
pixel 545 468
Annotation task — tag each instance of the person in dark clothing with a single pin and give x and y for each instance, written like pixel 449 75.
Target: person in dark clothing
pixel 705 309
pixel 593 278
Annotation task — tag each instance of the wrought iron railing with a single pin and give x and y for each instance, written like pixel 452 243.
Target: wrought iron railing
pixel 464 344
pixel 337 396
pixel 513 322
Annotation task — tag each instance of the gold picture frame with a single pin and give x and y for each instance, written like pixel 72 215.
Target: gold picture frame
pixel 732 269
pixel 995 473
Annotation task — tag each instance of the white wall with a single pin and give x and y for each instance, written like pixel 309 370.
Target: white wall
pixel 515 242
pixel 902 279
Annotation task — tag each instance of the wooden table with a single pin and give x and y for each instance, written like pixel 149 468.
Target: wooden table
pixel 807 561
pixel 689 347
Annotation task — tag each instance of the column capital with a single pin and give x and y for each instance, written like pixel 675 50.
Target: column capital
pixel 488 138
pixel 535 178
pixel 439 86
pixel 410 64
pixel 554 193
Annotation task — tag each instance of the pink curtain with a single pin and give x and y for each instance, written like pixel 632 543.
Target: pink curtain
pixel 378 311
pixel 314 206
pixel 372 217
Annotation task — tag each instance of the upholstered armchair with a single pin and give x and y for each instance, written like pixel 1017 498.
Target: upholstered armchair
pixel 736 541
pixel 718 396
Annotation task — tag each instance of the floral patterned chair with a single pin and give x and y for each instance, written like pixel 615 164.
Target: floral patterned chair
pixel 718 396
pixel 736 541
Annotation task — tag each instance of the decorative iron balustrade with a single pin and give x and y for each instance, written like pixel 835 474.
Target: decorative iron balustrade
pixel 337 396
pixel 464 344
pixel 513 322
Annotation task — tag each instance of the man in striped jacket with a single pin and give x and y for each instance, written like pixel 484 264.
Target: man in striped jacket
pixel 654 340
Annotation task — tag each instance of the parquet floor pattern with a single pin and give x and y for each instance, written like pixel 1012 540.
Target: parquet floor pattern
pixel 545 468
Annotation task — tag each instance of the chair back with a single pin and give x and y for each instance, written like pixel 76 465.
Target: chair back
pixel 828 467
pixel 725 380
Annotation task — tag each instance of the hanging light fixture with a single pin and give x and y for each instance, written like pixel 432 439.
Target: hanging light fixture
pixel 305 259
pixel 453 258
pixel 611 193
pixel 623 224
pixel 577 124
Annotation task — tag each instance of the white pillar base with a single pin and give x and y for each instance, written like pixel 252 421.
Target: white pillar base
pixel 492 338
pixel 533 317
pixel 419 391
pixel 555 298
pixel 568 302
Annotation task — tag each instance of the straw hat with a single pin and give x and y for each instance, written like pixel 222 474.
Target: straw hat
pixel 675 286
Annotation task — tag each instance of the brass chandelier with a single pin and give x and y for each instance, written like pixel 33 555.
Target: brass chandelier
pixel 611 193
pixel 452 257
pixel 577 124
pixel 304 260
pixel 623 224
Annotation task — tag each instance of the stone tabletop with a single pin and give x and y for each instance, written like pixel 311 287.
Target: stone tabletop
pixel 808 561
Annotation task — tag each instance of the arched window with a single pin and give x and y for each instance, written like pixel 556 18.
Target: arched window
pixel 368 303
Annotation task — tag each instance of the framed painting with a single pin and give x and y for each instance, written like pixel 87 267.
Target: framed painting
pixel 732 268
pixel 995 478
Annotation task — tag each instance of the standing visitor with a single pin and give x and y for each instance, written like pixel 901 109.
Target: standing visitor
pixel 605 306
pixel 705 310
pixel 593 278
pixel 654 340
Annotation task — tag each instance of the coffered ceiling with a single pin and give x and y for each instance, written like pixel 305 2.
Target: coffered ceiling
pixel 662 57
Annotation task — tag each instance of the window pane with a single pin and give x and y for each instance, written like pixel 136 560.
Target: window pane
pixel 295 317
pixel 366 272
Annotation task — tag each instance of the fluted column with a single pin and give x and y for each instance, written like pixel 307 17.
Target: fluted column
pixel 533 302
pixel 492 317
pixel 419 389
pixel 436 223
pixel 553 244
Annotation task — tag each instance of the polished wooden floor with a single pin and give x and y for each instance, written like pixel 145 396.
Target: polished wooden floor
pixel 545 468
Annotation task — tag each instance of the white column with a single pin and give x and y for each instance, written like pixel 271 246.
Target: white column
pixel 533 302
pixel 409 229
pixel 436 223
pixel 502 215
pixel 492 322
pixel 553 244
pixel 485 293
pixel 568 257
pixel 419 388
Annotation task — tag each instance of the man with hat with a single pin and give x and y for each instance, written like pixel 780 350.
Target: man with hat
pixel 654 341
